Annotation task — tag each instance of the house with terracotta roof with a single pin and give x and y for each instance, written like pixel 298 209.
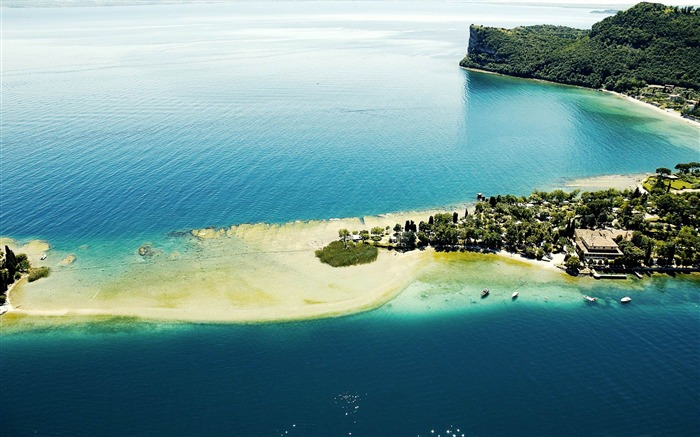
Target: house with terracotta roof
pixel 598 244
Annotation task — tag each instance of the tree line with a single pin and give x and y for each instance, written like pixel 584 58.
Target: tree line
pixel 663 225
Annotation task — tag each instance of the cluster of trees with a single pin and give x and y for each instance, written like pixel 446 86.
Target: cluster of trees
pixel 13 266
pixel 649 43
pixel 689 168
pixel 11 269
pixel 507 222
pixel 376 234
pixel 664 225
pixel 693 112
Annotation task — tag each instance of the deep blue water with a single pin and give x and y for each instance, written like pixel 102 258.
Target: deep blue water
pixel 521 369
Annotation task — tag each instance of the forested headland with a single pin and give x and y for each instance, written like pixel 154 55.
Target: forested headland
pixel 648 44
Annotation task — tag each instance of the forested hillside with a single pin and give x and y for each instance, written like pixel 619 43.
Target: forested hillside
pixel 649 43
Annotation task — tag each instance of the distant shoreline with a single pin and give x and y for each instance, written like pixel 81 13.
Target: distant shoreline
pixel 675 115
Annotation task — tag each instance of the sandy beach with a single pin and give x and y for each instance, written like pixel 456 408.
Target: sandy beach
pixel 616 181
pixel 673 114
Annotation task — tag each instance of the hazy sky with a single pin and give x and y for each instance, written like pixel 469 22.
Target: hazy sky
pixel 615 4
pixel 597 2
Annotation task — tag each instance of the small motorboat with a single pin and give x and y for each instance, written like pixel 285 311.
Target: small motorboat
pixel 43 257
pixel 626 299
pixel 515 295
pixel 485 292
pixel 589 298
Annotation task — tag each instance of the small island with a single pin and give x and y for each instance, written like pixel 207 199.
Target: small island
pixel 650 52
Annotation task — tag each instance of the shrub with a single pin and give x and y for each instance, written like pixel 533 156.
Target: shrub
pixel 38 273
pixel 338 254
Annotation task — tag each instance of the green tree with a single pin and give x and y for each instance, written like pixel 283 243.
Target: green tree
pixel 492 240
pixel 408 240
pixel 364 235
pixel 22 263
pixel 344 234
pixel 573 262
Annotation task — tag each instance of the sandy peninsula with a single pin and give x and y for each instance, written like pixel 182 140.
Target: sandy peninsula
pixel 257 273
pixel 244 273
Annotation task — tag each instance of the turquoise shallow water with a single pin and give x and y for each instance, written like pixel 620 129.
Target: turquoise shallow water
pixel 122 124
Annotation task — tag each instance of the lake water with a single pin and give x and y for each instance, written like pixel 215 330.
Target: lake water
pixel 121 124
pixel 510 368
pixel 124 121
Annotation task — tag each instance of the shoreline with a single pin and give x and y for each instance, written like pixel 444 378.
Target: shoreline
pixel 603 182
pixel 673 114
pixel 275 277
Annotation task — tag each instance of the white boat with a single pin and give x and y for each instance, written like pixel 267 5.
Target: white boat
pixel 485 292
pixel 626 299
pixel 515 295
pixel 590 299
pixel 43 257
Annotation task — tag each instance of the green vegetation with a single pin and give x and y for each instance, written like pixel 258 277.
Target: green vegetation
pixel 649 43
pixel 677 184
pixel 688 176
pixel 38 273
pixel 573 262
pixel 343 253
pixel 656 227
pixel 13 267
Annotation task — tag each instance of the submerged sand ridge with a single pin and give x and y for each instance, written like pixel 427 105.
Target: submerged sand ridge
pixel 34 249
pixel 245 273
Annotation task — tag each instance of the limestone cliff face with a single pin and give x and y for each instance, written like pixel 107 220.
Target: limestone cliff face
pixel 477 43
pixel 483 48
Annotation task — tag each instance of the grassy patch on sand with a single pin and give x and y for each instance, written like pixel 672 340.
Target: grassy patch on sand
pixel 676 184
pixel 38 273
pixel 339 254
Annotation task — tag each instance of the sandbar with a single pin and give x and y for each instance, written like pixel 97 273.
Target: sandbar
pixel 256 273
pixel 602 182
